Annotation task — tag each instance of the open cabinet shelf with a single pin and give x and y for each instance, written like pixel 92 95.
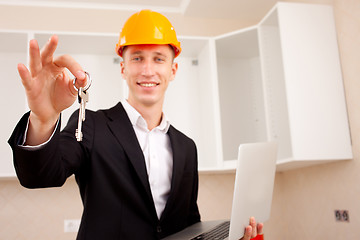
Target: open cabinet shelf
pixel 241 93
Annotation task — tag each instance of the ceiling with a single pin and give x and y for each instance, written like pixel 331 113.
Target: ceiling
pixel 249 10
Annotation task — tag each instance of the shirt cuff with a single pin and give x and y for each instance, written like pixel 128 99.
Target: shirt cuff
pixel 40 145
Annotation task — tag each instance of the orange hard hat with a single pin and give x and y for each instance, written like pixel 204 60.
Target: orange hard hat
pixel 147 27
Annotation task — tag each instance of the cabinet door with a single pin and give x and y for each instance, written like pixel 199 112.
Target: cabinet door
pixel 316 101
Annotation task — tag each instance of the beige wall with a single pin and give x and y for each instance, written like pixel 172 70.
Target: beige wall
pixel 37 214
pixel 304 199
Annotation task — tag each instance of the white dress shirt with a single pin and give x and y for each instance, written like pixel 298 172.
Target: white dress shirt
pixel 157 150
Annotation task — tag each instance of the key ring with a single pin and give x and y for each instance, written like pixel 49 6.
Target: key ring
pixel 88 83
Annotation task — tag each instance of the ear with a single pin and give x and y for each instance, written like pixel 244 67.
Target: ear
pixel 174 69
pixel 122 69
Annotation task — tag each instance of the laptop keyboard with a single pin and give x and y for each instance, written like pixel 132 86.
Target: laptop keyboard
pixel 219 232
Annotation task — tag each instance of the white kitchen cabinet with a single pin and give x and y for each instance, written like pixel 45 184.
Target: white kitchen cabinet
pixel 13 50
pixel 190 97
pixel 279 81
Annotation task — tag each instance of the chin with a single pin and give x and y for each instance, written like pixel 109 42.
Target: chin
pixel 150 101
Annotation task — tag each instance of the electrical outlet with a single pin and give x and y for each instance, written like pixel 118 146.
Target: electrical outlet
pixel 71 225
pixel 342 216
pixel 345 216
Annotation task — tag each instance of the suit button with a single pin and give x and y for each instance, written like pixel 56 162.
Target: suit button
pixel 158 229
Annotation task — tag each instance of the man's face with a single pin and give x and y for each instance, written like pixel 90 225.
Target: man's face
pixel 148 69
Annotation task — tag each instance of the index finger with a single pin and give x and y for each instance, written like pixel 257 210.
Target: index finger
pixel 252 223
pixel 74 67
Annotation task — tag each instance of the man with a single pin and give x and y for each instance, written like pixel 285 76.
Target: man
pixel 136 173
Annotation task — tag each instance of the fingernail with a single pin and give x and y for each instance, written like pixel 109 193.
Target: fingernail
pixel 80 75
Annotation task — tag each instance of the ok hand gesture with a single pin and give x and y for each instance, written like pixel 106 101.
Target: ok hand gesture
pixel 48 87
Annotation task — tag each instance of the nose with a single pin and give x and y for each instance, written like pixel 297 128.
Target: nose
pixel 148 68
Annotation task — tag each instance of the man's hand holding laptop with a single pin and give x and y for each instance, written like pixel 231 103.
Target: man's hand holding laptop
pixel 253 230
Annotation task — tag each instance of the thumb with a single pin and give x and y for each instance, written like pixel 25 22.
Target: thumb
pixel 80 79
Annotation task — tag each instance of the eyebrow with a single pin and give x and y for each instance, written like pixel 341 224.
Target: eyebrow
pixel 140 52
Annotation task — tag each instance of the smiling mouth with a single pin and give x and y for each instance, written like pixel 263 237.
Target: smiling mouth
pixel 148 84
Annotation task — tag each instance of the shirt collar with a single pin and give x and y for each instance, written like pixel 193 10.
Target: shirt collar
pixel 137 120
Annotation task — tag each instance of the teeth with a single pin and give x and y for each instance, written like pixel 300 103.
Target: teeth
pixel 147 84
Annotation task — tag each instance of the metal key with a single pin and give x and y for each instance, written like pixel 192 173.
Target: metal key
pixel 83 98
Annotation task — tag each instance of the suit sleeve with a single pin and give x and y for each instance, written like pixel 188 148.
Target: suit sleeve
pixel 52 163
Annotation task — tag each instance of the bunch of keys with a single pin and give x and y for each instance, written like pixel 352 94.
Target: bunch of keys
pixel 83 98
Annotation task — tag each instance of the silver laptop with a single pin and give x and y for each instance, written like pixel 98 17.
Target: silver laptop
pixel 253 190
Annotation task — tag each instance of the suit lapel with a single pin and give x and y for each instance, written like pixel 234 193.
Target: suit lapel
pixel 121 127
pixel 178 158
pixel 178 168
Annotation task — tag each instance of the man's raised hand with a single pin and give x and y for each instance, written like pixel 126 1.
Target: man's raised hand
pixel 48 86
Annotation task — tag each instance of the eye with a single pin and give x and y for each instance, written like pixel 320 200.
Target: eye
pixel 136 59
pixel 159 59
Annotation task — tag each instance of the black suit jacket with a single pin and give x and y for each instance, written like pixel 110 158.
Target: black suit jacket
pixel 110 170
